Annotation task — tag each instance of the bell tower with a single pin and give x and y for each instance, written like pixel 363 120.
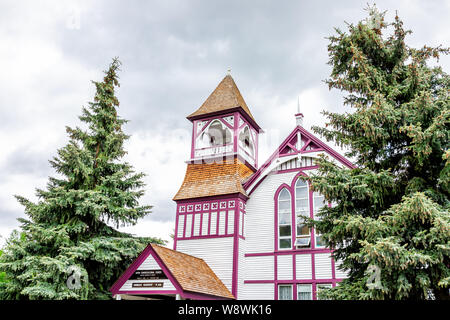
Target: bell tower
pixel 210 220
pixel 223 126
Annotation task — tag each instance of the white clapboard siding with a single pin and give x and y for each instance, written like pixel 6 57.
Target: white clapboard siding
pixel 284 267
pixel 241 268
pixel 258 291
pixel 259 222
pixel 213 223
pixel 180 225
pixel 323 266
pixel 259 268
pixel 216 252
pixel 197 224
pixel 241 223
pixel 222 217
pixel 148 264
pixel 230 221
pixel 205 223
pixel 303 266
pixel 188 225
pixel 339 273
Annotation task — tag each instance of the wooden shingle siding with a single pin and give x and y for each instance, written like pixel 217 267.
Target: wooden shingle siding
pixel 225 96
pixel 216 252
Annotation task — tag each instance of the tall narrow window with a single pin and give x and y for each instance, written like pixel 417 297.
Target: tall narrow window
pixel 302 209
pixel 304 292
pixel 284 219
pixel 318 202
pixel 285 292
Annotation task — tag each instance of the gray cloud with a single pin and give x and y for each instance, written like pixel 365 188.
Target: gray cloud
pixel 174 53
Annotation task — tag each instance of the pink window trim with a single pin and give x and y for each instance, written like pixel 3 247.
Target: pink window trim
pixel 276 226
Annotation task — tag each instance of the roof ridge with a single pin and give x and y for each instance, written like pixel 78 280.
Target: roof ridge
pixel 178 252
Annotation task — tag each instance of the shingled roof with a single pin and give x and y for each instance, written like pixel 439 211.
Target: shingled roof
pixel 226 96
pixel 213 179
pixel 193 274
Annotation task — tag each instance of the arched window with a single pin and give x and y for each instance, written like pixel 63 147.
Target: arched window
pixel 245 141
pixel 302 209
pixel 284 219
pixel 217 134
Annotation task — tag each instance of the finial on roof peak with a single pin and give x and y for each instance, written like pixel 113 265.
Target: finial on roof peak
pixel 229 71
pixel 299 115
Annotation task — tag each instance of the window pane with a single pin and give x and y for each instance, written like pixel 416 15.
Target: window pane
pixel 302 230
pixel 285 243
pixel 320 242
pixel 303 242
pixel 284 206
pixel 319 202
pixel 301 183
pixel 322 286
pixel 285 292
pixel 301 193
pixel 302 207
pixel 284 195
pixel 285 218
pixel 285 231
pixel 304 292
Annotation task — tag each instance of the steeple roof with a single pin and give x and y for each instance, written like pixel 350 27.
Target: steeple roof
pixel 225 97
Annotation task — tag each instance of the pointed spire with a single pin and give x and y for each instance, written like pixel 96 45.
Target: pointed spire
pixel 299 115
pixel 226 96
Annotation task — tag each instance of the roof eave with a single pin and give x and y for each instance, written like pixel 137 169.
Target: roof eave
pixel 192 117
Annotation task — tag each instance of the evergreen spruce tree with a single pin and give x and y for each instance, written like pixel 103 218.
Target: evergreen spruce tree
pixel 67 248
pixel 389 223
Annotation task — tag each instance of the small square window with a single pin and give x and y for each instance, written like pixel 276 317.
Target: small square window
pixel 304 292
pixel 285 231
pixel 285 243
pixel 322 286
pixel 285 292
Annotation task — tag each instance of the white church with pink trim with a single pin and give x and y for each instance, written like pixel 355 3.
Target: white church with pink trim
pixel 238 222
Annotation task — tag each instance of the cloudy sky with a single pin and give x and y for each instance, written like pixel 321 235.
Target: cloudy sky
pixel 174 53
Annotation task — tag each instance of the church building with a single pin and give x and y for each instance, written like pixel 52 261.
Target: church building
pixel 238 234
